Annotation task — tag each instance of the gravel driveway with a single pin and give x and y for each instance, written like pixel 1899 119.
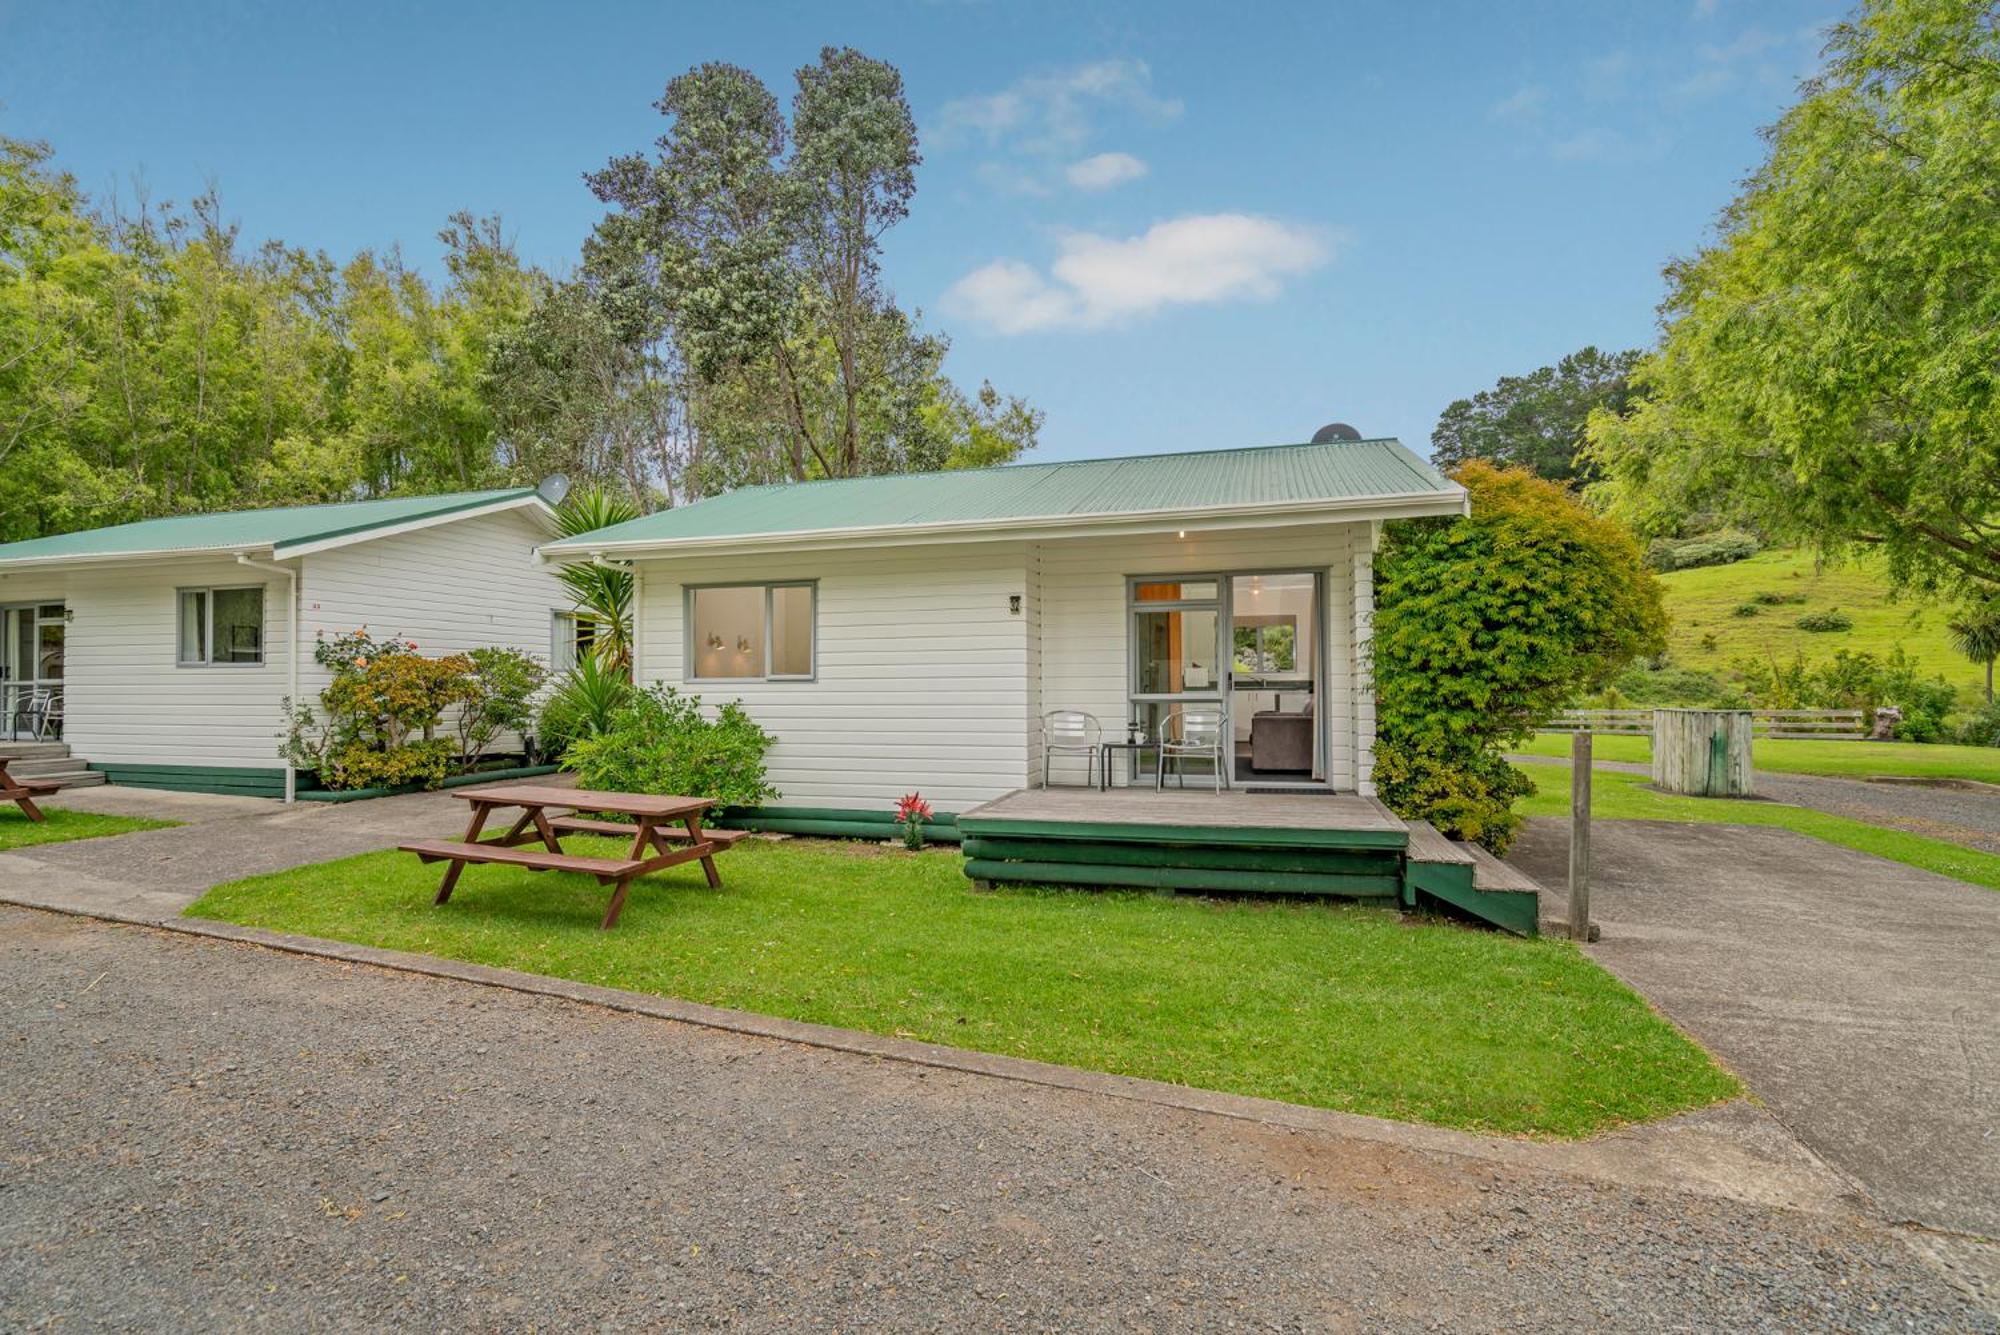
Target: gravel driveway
pixel 200 1135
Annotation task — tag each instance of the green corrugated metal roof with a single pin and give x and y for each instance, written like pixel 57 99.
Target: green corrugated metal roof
pixel 1350 470
pixel 290 526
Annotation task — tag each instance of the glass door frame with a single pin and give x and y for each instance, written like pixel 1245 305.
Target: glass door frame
pixel 1223 693
pixel 1136 700
pixel 13 686
pixel 1318 676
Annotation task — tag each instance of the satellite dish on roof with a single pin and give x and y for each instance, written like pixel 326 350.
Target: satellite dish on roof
pixel 553 489
pixel 1333 431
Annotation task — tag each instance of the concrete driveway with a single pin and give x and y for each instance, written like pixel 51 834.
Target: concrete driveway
pixel 1859 998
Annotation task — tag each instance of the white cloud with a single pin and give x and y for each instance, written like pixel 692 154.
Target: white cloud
pixel 1523 104
pixel 1099 281
pixel 1104 170
pixel 1054 113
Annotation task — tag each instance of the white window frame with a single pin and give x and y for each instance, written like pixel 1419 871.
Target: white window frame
pixel 208 592
pixel 688 592
pixel 565 626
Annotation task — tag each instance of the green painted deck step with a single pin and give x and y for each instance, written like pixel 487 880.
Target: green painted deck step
pixel 1470 879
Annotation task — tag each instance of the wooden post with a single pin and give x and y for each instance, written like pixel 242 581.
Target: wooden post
pixel 1579 836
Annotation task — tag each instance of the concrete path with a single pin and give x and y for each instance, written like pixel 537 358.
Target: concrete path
pixel 157 873
pixel 202 1134
pixel 1860 998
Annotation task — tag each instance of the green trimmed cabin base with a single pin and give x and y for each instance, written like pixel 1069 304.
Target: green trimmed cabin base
pixel 242 781
pixel 835 823
pixel 1251 843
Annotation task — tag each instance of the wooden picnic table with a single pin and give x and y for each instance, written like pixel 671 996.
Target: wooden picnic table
pixel 665 831
pixel 23 792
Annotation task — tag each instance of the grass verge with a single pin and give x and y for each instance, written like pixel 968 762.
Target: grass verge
pixel 1840 760
pixel 1616 796
pixel 1325 1004
pixel 17 831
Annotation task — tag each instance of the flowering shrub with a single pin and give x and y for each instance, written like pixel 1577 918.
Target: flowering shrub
pixel 911 813
pixel 377 721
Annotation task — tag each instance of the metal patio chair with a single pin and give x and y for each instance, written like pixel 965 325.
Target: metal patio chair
pixel 1071 732
pixel 1190 732
pixel 36 712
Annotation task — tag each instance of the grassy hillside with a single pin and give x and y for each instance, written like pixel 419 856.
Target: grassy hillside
pixel 1702 603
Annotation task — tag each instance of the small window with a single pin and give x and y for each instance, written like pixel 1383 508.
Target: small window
pixel 751 632
pixel 571 637
pixel 222 627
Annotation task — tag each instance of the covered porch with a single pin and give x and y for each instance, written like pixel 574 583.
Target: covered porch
pixel 1337 844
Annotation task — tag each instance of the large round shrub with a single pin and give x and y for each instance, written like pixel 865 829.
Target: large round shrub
pixel 1485 628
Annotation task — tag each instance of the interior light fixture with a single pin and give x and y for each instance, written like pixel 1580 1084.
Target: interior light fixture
pixel 714 640
pixel 742 644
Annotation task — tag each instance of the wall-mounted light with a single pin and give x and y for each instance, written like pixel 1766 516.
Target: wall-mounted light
pixel 742 644
pixel 714 640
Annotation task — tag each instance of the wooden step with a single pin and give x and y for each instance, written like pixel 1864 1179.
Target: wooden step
pixel 534 859
pixel 47 767
pixel 1494 876
pixel 12 751
pixel 1428 845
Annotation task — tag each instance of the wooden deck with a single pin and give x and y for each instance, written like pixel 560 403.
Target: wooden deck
pixel 1334 844
pixel 1315 820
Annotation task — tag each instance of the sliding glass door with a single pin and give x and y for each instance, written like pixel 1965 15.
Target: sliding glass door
pixel 1177 654
pixel 1274 678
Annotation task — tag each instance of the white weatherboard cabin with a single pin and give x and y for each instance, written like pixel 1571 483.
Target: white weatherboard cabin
pixel 910 633
pixel 160 652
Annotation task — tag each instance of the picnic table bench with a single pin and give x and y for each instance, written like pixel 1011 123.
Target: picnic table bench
pixel 665 832
pixel 23 792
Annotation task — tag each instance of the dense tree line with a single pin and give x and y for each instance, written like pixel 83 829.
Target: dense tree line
pixel 726 323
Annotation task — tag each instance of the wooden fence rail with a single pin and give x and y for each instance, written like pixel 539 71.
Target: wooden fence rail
pixel 1826 725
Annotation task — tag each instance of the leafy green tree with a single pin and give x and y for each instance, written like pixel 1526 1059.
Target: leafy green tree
pixel 1827 367
pixel 590 384
pixel 1488 626
pixel 417 388
pixel 763 240
pixel 1975 632
pixel 1536 421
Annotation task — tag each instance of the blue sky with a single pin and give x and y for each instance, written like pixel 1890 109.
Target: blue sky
pixel 1171 226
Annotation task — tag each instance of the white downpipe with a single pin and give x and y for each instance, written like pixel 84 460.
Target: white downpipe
pixel 291 654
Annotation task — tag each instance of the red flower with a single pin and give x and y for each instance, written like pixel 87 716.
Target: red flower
pixel 912 807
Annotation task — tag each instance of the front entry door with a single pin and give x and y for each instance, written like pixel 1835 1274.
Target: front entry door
pixel 1177 654
pixel 31 661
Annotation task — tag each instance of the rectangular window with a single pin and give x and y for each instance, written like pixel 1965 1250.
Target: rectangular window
pixel 751 632
pixel 222 627
pixel 570 637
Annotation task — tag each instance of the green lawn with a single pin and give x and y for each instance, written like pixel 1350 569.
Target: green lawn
pixel 17 831
pixel 1847 760
pixel 1703 602
pixel 1616 796
pixel 1337 1006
